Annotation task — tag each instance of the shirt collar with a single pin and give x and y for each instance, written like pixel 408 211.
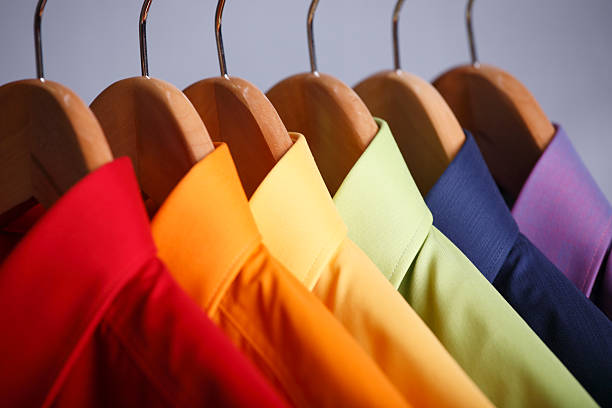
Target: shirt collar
pixel 204 230
pixel 296 215
pixel 382 207
pixel 64 273
pixel 469 209
pixel 559 204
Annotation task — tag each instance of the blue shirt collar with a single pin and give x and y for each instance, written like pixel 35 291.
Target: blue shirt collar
pixel 469 209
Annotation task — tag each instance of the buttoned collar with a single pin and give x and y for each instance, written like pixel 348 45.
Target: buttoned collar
pixel 469 208
pixel 204 230
pixel 382 207
pixel 564 213
pixel 65 272
pixel 296 215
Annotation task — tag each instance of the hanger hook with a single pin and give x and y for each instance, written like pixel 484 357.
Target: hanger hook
pixel 40 9
pixel 219 36
pixel 311 45
pixel 470 32
pixel 142 34
pixel 395 19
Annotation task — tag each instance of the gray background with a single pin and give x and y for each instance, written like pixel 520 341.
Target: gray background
pixel 560 49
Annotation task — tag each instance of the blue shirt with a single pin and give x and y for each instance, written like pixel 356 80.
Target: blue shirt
pixel 469 209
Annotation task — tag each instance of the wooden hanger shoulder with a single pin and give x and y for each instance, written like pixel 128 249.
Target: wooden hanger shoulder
pixel 332 117
pixel 238 113
pixel 49 140
pixel 509 125
pixel 426 130
pixel 153 123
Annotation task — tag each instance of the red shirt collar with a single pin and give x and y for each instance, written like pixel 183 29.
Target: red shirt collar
pixel 61 277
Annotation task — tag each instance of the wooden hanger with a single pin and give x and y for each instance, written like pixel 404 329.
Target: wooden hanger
pixel 238 113
pixel 49 139
pixel 332 117
pixel 509 125
pixel 153 123
pixel 426 130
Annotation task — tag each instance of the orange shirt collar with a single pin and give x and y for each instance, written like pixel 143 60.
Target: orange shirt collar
pixel 205 230
pixel 293 202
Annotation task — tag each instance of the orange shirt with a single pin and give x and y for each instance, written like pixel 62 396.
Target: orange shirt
pixel 303 230
pixel 208 238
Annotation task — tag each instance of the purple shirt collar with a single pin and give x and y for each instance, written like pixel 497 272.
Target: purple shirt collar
pixel 564 213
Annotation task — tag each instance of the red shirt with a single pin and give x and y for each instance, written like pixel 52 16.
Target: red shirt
pixel 91 317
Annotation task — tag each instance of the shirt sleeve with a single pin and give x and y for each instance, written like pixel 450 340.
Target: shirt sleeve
pixel 483 333
pixel 393 334
pixel 572 327
pixel 297 343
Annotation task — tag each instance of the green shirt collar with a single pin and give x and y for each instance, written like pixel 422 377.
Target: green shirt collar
pixel 383 208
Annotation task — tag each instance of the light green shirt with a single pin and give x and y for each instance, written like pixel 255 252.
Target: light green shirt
pixel 387 217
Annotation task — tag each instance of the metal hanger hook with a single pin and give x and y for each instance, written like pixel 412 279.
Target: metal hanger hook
pixel 142 34
pixel 40 9
pixel 219 37
pixel 395 30
pixel 309 31
pixel 470 32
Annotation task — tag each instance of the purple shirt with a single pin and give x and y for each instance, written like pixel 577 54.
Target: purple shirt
pixel 564 213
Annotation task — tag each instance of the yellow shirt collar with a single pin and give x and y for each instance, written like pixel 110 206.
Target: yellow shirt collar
pixel 291 202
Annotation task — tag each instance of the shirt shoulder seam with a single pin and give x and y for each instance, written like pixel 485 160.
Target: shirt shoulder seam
pixel 93 322
pixel 280 373
pixel 407 246
pixel 230 275
pixel 335 237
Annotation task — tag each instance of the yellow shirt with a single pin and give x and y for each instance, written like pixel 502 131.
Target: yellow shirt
pixel 207 237
pixel 303 230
